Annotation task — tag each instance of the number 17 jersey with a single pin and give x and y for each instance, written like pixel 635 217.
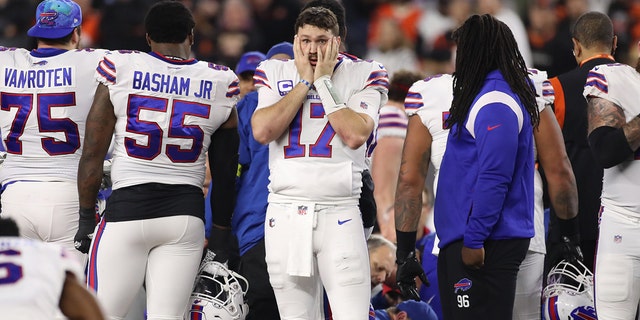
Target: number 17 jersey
pixel 309 162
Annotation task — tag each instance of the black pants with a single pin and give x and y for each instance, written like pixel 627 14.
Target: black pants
pixel 261 300
pixel 486 293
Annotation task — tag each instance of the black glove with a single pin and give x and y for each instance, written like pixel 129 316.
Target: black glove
pixel 571 250
pixel 220 243
pixel 569 246
pixel 408 269
pixel 86 227
pixel 567 249
pixel 368 208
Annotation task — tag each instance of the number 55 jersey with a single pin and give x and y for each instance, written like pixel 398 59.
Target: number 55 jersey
pixel 166 111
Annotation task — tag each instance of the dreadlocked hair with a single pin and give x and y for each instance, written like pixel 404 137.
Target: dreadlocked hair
pixel 486 44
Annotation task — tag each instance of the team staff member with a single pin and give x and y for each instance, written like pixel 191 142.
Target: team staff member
pixel 613 92
pixel 484 203
pixel 317 112
pixel 165 110
pixel 430 100
pixel 45 96
pixel 593 44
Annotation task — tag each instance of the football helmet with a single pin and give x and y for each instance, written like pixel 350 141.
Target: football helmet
pixel 569 292
pixel 218 294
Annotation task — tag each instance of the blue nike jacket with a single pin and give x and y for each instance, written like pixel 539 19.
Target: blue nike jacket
pixel 485 189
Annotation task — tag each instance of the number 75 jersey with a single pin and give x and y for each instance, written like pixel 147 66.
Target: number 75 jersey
pixel 45 96
pixel 166 112
pixel 309 162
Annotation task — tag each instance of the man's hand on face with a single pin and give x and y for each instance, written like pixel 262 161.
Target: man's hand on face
pixel 327 58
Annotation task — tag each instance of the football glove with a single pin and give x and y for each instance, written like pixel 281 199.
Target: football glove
pixel 86 227
pixel 408 269
pixel 220 243
pixel 567 249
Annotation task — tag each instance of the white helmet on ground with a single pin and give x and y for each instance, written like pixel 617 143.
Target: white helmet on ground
pixel 569 292
pixel 218 294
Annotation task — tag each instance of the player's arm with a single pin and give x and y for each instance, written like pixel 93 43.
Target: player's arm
pixel 99 130
pixel 553 158
pixel 270 123
pixel 77 303
pixel 353 128
pixel 385 169
pixel 414 166
pixel 223 164
pixel 611 138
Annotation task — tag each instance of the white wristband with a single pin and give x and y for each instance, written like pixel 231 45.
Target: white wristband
pixel 330 99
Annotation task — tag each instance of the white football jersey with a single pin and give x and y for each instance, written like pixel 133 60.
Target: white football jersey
pixel 392 122
pixel 620 84
pixel 431 99
pixel 32 275
pixel 45 96
pixel 308 162
pixel 166 111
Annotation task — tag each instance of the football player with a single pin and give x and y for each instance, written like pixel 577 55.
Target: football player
pixel 45 96
pixel 40 280
pixel 612 92
pixel 316 112
pixel 165 110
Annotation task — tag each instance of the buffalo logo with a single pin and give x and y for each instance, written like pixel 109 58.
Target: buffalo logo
pixel 463 284
pixel 302 210
pixel 52 12
pixel 40 63
pixel 364 105
pixel 584 313
pixel 272 222
pixel 48 18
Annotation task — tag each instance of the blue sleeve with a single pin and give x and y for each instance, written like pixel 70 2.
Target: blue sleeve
pixel 496 134
pixel 246 106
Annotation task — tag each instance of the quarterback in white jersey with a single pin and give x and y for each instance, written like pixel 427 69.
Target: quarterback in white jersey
pixel 39 279
pixel 165 112
pixel 45 96
pixel 613 92
pixel 430 99
pixel 317 134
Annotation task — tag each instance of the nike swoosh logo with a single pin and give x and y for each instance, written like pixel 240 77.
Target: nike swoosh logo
pixel 341 222
pixel 493 127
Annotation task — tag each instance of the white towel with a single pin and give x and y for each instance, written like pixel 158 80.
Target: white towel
pixel 300 259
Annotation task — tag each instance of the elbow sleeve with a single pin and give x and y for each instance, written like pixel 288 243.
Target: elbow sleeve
pixel 223 163
pixel 609 146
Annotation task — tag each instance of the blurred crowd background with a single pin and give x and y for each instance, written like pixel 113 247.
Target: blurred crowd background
pixel 401 34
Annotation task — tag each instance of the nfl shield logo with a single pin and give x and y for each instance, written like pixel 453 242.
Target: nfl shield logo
pixel 302 210
pixel 617 238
